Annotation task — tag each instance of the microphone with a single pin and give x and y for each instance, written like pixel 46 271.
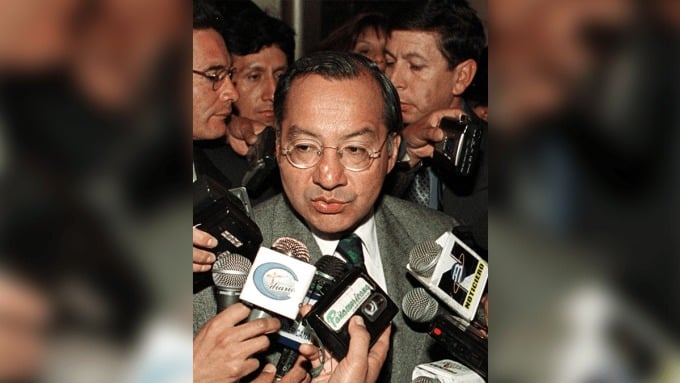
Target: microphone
pixel 419 306
pixel 460 339
pixel 229 275
pixel 292 248
pixel 423 257
pixel 328 270
pixel 444 371
pixel 455 274
pixel 278 280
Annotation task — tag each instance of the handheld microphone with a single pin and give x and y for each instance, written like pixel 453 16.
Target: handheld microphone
pixel 458 277
pixel 229 275
pixel 423 257
pixel 328 270
pixel 460 339
pixel 278 280
pixel 419 306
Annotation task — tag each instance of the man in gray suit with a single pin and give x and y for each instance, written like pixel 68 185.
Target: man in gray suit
pixel 337 121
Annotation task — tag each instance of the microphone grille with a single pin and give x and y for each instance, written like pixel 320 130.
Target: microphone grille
pixel 423 257
pixel 333 266
pixel 419 306
pixel 425 379
pixel 292 248
pixel 328 270
pixel 230 270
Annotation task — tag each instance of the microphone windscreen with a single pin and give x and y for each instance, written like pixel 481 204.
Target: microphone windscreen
pixel 423 257
pixel 419 306
pixel 230 270
pixel 328 270
pixel 292 248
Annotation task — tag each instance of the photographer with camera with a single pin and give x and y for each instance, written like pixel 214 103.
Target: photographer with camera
pixel 432 58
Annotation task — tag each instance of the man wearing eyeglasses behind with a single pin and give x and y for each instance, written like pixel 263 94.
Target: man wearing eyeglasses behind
pixel 337 117
pixel 223 349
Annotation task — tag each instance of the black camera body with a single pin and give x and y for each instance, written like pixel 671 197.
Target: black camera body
pixel 463 341
pixel 262 164
pixel 355 294
pixel 225 216
pixel 459 153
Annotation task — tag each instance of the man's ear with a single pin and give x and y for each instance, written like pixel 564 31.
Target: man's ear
pixel 396 141
pixel 463 74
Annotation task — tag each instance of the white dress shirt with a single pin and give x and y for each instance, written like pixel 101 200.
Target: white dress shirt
pixel 369 244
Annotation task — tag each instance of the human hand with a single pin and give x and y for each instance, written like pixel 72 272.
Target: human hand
pixel 242 133
pixel 223 350
pixel 421 135
pixel 360 365
pixel 296 375
pixel 203 259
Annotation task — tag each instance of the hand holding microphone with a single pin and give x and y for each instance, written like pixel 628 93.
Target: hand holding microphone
pixel 361 364
pixel 224 350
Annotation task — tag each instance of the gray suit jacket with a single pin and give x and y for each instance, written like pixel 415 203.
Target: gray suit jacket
pixel 400 225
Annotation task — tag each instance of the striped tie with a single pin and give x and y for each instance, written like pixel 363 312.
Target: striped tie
pixel 349 248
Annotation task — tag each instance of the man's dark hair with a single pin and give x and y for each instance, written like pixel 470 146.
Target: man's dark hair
pixel 252 30
pixel 340 66
pixel 206 16
pixel 345 37
pixel 461 31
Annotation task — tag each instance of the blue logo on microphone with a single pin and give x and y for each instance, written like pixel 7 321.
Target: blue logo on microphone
pixel 275 281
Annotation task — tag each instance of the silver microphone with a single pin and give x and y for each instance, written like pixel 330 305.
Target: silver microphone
pixel 423 258
pixel 419 306
pixel 292 248
pixel 229 274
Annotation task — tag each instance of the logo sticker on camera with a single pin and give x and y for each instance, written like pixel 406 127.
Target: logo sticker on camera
pixel 347 304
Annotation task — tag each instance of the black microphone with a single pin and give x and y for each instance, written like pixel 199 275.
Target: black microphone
pixel 329 269
pixel 229 275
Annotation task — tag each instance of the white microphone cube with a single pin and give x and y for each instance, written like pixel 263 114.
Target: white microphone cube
pixel 459 277
pixel 277 283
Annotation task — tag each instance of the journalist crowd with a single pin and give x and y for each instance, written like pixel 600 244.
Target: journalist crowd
pixel 366 157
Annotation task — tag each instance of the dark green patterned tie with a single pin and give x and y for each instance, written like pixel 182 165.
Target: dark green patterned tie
pixel 350 248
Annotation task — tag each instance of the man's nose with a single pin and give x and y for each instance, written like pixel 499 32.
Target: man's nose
pixel 330 173
pixel 228 92
pixel 269 88
pixel 395 73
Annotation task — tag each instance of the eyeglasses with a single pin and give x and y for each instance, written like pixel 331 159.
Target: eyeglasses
pixel 216 76
pixel 304 154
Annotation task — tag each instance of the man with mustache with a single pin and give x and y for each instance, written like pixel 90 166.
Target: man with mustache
pixel 432 56
pixel 337 121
